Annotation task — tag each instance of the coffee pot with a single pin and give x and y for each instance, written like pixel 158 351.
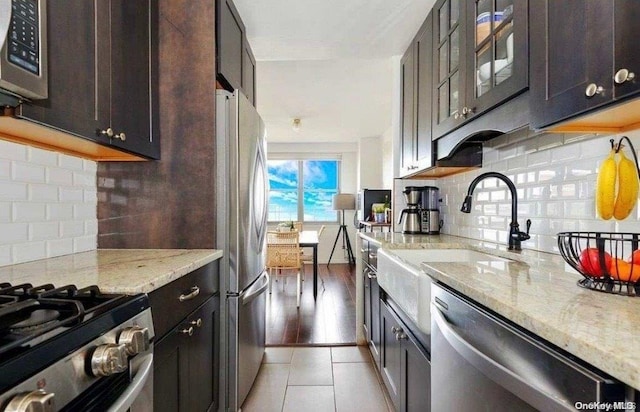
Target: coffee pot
pixel 410 217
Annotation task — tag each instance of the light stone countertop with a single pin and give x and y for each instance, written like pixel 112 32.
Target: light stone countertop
pixel 127 271
pixel 538 291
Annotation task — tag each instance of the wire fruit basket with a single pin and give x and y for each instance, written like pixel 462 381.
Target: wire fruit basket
pixel 609 262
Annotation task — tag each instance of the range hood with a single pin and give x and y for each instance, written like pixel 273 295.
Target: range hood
pixel 467 156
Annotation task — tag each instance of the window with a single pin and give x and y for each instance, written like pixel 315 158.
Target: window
pixel 302 190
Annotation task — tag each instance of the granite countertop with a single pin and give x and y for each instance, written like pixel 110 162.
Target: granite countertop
pixel 538 291
pixel 127 271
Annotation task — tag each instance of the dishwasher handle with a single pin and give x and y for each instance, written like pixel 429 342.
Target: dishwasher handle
pixel 495 371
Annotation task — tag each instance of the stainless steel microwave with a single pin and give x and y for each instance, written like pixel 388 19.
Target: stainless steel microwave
pixel 23 56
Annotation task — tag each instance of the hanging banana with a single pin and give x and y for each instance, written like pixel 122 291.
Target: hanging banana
pixel 606 187
pixel 627 187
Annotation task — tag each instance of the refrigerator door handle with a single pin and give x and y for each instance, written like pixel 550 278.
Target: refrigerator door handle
pixel 255 290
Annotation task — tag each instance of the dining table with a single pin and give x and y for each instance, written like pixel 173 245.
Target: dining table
pixel 309 238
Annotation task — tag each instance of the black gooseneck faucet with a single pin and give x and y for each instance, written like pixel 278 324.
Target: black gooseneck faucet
pixel 515 235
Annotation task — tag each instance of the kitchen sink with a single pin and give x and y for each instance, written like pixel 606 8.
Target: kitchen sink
pixel 400 274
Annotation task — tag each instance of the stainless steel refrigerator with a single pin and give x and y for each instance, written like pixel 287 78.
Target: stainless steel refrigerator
pixel 241 198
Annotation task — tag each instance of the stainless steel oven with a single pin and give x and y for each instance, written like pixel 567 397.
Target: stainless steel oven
pixel 23 53
pixel 68 349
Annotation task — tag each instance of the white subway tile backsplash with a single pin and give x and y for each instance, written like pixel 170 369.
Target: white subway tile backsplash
pixel 58 176
pixel 24 252
pixel 27 172
pixel 13 190
pixel 29 212
pixel 42 157
pixel 44 230
pixel 59 211
pixel 13 233
pixel 12 151
pixel 85 243
pixel 555 184
pixel 41 193
pixel 70 162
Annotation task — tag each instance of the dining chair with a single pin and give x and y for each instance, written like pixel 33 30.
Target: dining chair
pixel 307 258
pixel 283 253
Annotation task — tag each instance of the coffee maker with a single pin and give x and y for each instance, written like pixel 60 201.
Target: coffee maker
pixel 430 222
pixel 410 217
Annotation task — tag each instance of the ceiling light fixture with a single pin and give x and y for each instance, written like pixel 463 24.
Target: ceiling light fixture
pixel 296 125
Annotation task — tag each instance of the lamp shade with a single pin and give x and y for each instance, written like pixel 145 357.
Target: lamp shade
pixel 344 201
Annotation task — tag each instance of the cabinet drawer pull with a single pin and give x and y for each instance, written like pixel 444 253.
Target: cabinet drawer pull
pixel 120 136
pixel 107 132
pixel 624 75
pixel 188 331
pixel 370 275
pixel 195 291
pixel 196 323
pixel 395 329
pixel 593 89
pixel 401 335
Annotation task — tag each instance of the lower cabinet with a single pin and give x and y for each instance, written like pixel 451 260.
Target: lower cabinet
pixel 185 377
pixel 404 365
pixel 186 351
pixel 372 311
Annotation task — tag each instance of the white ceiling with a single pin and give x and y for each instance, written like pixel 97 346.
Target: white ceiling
pixel 328 62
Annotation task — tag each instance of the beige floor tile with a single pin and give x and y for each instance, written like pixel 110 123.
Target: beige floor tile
pixel 311 366
pixel 268 391
pixel 340 354
pixel 309 399
pixel 281 354
pixel 357 384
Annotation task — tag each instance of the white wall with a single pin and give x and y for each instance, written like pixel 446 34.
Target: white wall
pixel 348 153
pixel 370 163
pixel 48 204
pixel 555 176
pixel 386 145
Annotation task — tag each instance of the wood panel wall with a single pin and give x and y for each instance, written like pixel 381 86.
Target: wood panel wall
pixel 170 203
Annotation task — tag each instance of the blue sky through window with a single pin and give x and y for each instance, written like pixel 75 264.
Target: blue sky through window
pixel 312 182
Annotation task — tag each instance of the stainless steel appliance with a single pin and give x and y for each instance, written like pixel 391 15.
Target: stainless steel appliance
pixel 410 217
pixel 477 358
pixel 241 228
pixel 430 222
pixel 74 349
pixel 23 53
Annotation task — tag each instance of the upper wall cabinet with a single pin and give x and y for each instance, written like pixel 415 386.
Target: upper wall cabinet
pixel 480 53
pixel 102 79
pixel 584 55
pixel 235 61
pixel 416 144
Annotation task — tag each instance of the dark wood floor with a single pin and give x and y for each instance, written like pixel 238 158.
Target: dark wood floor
pixel 331 319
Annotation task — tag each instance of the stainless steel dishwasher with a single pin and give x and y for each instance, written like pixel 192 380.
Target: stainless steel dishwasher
pixel 480 362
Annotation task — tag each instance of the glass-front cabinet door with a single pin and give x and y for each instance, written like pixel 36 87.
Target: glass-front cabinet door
pixel 497 53
pixel 448 66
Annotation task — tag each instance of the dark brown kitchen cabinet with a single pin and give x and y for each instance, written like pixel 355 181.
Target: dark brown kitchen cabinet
pixel 102 79
pixel 416 144
pixel 481 59
pixel 371 299
pixel 405 368
pixel 186 317
pixel 235 61
pixel 583 56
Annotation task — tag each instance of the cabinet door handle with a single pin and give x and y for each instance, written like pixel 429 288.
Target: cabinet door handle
pixel 188 331
pixel 370 275
pixel 395 330
pixel 106 132
pixel 195 291
pixel 120 136
pixel 593 89
pixel 197 323
pixel 624 75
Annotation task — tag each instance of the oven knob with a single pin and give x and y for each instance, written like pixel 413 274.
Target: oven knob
pixel 36 401
pixel 109 359
pixel 135 339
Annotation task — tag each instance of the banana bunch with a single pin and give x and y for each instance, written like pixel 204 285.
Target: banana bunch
pixel 617 186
